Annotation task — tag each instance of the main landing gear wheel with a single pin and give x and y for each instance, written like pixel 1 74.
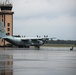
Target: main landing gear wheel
pixel 23 46
pixel 27 46
pixel 37 47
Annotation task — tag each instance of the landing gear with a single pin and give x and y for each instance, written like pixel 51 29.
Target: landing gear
pixel 37 47
pixel 23 46
pixel 27 46
pixel 20 46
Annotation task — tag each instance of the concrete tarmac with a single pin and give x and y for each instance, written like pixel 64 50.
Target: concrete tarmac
pixel 43 61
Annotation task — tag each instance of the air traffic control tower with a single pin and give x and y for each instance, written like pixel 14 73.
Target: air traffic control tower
pixel 6 16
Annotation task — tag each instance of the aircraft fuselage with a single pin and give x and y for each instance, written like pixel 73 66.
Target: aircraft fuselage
pixel 24 43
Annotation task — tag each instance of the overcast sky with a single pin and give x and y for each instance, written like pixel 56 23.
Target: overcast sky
pixel 55 18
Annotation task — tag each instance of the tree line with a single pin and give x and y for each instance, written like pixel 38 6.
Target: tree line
pixel 61 42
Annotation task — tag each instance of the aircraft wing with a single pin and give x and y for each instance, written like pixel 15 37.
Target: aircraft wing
pixel 31 38
pixel 33 41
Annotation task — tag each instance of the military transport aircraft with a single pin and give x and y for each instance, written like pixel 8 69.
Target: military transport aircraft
pixel 21 41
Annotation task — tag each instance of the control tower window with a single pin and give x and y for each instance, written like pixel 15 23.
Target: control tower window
pixel 7 33
pixel 2 19
pixel 2 16
pixel 8 29
pixel 8 24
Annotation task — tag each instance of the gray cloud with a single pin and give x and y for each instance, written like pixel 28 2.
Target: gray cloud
pixel 39 8
pixel 49 17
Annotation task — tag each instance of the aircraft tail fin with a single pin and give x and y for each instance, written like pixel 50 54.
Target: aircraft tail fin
pixel 2 30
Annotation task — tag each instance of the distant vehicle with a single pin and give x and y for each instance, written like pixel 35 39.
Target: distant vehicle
pixel 21 41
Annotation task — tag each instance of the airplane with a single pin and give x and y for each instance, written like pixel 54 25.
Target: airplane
pixel 21 41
